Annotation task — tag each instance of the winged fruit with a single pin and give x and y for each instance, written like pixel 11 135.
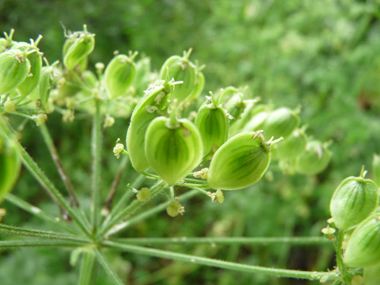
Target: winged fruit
pixel 353 201
pixel 173 151
pixel 292 146
pixel 363 247
pixel 119 75
pixel 212 124
pixel 35 59
pixel 181 69
pixel 281 123
pixel 149 107
pixel 76 49
pixel 14 68
pixel 240 162
pixel 314 159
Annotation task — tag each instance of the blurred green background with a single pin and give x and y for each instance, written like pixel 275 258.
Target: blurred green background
pixel 323 55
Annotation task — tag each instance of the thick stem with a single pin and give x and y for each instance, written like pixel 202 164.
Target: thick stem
pixel 219 263
pixel 96 167
pixel 86 269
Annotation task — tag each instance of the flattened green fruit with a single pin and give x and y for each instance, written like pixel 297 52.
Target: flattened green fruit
pixel 281 123
pixel 181 69
pixel 77 48
pixel 119 75
pixel 199 86
pixel 292 146
pixel 10 164
pixel 173 152
pixel 257 122
pixel 314 159
pixel 45 85
pixel 35 59
pixel 353 201
pixel 363 247
pixel 141 117
pixel 240 162
pixel 212 124
pixel 14 68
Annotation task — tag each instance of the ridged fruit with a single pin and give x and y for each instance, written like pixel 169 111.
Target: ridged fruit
pixel 212 124
pixel 240 162
pixel 119 75
pixel 173 151
pixel 142 115
pixel 353 201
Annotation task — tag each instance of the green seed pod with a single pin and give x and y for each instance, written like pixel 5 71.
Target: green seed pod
pixel 199 86
pixel 10 164
pixel 353 201
pixel 181 69
pixel 119 75
pixel 235 107
pixel 31 81
pixel 281 123
pixel 14 68
pixel 240 162
pixel 257 122
pixel 212 124
pixel 76 49
pixel 291 147
pixel 173 151
pixel 371 274
pixel 314 159
pixel 376 169
pixel 45 85
pixel 143 76
pixel 142 115
pixel 363 247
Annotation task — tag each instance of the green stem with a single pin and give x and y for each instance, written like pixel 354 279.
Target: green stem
pixel 57 161
pixel 43 180
pixel 121 202
pixel 107 267
pixel 148 213
pixel 262 241
pixel 86 269
pixel 127 194
pixel 130 209
pixel 115 183
pixel 38 212
pixel 339 258
pixel 96 166
pixel 8 244
pixel 12 230
pixel 219 263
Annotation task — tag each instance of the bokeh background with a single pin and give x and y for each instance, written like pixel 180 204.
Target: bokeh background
pixel 322 55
